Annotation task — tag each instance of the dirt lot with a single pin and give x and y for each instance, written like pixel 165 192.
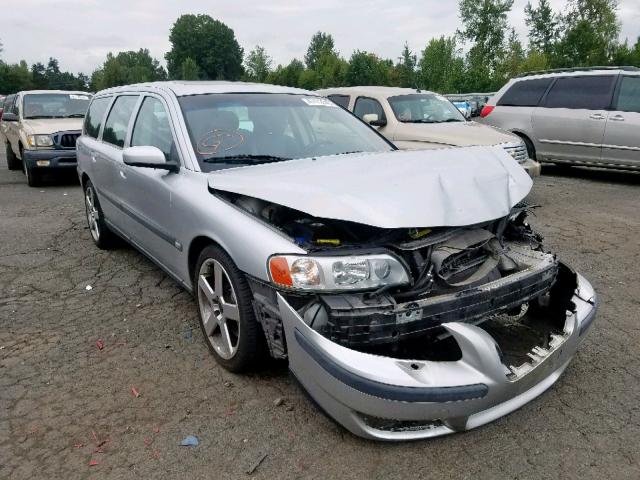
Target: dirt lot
pixel 61 397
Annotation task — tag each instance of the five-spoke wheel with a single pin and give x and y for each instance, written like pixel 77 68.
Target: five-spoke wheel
pixel 227 319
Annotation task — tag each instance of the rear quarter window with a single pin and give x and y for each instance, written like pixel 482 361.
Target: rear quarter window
pixel 525 93
pixel 95 114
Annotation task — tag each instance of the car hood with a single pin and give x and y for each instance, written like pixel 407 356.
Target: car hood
pixel 455 134
pixel 44 126
pixel 398 189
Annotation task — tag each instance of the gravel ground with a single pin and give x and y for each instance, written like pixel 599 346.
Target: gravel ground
pixel 65 403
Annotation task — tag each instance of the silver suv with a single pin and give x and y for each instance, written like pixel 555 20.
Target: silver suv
pixel 581 116
pixel 394 282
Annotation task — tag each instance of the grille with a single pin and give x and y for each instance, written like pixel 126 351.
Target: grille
pixel 519 153
pixel 68 140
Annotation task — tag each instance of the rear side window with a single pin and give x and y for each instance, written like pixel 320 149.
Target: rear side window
pixel 93 119
pixel 366 105
pixel 629 95
pixel 152 128
pixel 8 103
pixel 341 100
pixel 525 93
pixel 589 93
pixel 115 128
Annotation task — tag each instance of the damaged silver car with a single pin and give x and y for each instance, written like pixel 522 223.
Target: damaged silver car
pixel 406 289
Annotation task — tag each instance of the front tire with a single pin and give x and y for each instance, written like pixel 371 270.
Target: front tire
pixel 227 319
pixel 13 162
pixel 102 236
pixel 33 176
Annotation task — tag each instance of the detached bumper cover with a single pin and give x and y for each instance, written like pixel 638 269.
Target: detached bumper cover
pixel 392 399
pixel 57 158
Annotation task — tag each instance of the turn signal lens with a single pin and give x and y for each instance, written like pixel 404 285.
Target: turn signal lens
pixel 279 270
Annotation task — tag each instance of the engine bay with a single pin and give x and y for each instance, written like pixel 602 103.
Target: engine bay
pixel 494 273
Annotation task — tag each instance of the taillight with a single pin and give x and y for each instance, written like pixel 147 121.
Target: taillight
pixel 486 110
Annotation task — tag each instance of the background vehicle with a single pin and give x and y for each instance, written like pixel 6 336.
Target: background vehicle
pixel 464 108
pixel 2 97
pixel 40 129
pixel 415 119
pixel 582 116
pixel 303 232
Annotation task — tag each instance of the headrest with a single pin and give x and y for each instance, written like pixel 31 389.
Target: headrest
pixel 225 120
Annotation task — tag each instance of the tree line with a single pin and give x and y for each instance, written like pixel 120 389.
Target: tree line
pixel 480 56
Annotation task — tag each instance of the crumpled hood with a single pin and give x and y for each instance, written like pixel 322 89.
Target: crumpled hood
pixel 455 134
pixel 399 189
pixel 44 126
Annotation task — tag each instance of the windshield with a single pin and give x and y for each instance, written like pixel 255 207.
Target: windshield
pixel 230 129
pixel 55 105
pixel 424 108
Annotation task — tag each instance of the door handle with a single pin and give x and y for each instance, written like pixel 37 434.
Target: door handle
pixel 123 175
pixel 617 118
pixel 596 116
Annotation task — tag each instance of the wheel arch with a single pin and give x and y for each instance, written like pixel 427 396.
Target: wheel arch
pixel 528 142
pixel 196 246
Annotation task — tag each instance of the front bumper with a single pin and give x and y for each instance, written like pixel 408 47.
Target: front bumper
pixel 56 159
pixel 386 398
pixel 532 167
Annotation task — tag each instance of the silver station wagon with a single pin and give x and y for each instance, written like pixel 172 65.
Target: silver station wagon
pixel 406 289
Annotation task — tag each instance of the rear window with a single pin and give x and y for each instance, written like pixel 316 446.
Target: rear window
pixel 341 100
pixel 93 119
pixel 115 128
pixel 589 93
pixel 525 93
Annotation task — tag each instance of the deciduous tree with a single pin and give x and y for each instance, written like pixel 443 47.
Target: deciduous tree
pixel 210 43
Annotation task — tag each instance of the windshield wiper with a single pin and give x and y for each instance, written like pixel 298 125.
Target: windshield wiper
pixel 419 120
pixel 34 117
pixel 245 159
pixel 75 115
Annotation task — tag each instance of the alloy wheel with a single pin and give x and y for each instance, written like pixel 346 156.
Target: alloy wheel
pixel 219 309
pixel 92 213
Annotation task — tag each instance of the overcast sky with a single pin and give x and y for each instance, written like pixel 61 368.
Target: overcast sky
pixel 79 33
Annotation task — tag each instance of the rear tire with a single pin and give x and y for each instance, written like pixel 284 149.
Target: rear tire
pixel 13 162
pixel 102 236
pixel 232 332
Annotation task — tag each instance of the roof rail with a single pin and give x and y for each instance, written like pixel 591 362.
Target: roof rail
pixel 578 69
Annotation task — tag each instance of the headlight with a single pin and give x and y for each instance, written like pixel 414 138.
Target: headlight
pixel 331 273
pixel 40 141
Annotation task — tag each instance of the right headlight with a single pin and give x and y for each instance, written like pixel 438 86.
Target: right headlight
pixel 40 141
pixel 336 273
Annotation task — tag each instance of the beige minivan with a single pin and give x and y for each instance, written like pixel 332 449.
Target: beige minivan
pixel 418 119
pixel 39 130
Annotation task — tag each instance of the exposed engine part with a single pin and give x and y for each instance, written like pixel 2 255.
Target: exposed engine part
pixel 358 320
pixel 316 316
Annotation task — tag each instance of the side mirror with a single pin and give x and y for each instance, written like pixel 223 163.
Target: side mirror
pixel 373 120
pixel 9 117
pixel 148 157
